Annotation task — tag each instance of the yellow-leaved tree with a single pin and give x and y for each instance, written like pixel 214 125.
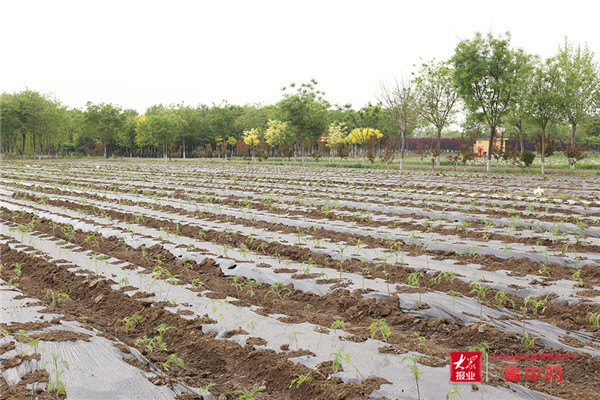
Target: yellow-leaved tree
pixel 336 135
pixel 252 139
pixel 277 133
pixel 365 137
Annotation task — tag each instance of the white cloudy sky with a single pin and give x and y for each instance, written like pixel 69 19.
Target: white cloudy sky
pixel 139 53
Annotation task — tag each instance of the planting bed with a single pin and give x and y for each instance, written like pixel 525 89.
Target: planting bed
pixel 175 280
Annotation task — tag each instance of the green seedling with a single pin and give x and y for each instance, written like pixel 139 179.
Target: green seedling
pixel 300 379
pixel 423 342
pixel 595 319
pixel 204 391
pixel 545 270
pixel 238 285
pixel 279 292
pixel 501 297
pixel 57 386
pixel 414 368
pixel 448 277
pixel 56 300
pixel 453 393
pixel 149 343
pixel 453 294
pixel 196 282
pixel 338 357
pixel 577 276
pixel 173 359
pixel 129 321
pixel 248 394
pixel 413 280
pixel 479 290
pixel 483 347
pixel 528 340
pixel 339 324
pixel 383 328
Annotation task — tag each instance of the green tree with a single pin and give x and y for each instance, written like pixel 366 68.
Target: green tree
pixel 254 116
pixel 306 110
pixel 578 84
pixel 543 103
pixel 516 115
pixel 11 123
pixel 438 97
pixel 221 121
pixel 486 73
pixel 164 129
pixel 104 122
pixel 192 122
pixel 126 135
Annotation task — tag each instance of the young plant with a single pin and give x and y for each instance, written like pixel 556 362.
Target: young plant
pixel 279 292
pixel 453 393
pixel 56 300
pixel 577 276
pixel 453 294
pixel 501 297
pixel 422 342
pixel 149 343
pixel 339 324
pixel 448 277
pixel 414 368
pixel 479 290
pixel 595 319
pixel 528 340
pixel 544 269
pixel 300 379
pixel 57 386
pixel 204 391
pixel 128 321
pixel 248 394
pixel 383 328
pixel 162 329
pixel 413 280
pixel 173 359
pixel 338 357
pixel 483 347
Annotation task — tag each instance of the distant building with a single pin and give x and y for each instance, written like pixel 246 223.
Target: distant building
pixel 480 148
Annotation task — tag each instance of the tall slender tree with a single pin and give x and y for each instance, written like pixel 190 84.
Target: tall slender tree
pixel 486 73
pixel 543 103
pixel 403 103
pixel 306 110
pixel 578 84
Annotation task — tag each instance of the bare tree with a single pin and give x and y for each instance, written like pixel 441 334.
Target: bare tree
pixel 400 98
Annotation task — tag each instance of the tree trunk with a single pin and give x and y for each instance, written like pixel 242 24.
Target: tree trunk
pixel 24 136
pixel 183 146
pixel 439 143
pixel 543 145
pixel 40 146
pixel 522 143
pixel 573 130
pixel 491 147
pixel 402 134
pixel 165 151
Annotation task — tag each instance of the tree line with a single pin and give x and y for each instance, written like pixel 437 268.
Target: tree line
pixel 500 90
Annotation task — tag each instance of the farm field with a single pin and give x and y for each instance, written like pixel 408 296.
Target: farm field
pixel 188 280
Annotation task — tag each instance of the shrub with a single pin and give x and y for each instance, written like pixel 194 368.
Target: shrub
pixel 527 157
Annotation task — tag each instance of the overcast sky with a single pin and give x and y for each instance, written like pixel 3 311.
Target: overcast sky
pixel 139 53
